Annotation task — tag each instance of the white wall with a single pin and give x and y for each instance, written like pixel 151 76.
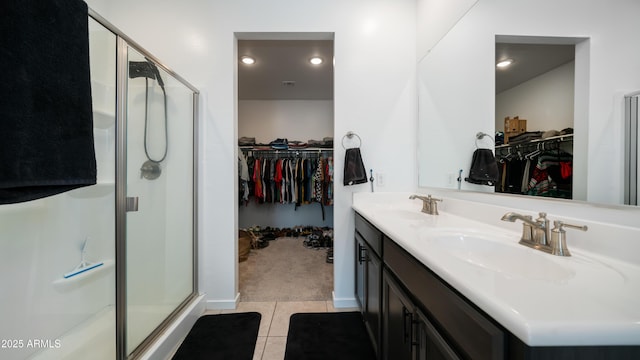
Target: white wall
pixel 457 84
pixel 546 101
pixel 375 98
pixel 435 19
pixel 301 120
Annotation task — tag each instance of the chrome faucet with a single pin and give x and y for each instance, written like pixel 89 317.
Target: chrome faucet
pixel 537 234
pixel 534 233
pixel 429 204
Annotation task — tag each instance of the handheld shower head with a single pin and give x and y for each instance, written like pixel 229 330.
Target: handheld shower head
pixel 145 69
pixel 141 69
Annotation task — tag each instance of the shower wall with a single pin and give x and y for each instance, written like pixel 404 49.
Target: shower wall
pixel 41 240
pixel 47 316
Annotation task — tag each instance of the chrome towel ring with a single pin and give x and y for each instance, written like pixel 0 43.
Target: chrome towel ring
pixel 349 135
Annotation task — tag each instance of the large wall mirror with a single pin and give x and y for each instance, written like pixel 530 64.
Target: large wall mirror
pixel 461 93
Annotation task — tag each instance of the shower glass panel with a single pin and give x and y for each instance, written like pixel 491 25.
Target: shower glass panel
pixel 49 309
pixel 160 168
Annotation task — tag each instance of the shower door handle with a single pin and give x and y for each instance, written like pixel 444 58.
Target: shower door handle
pixel 132 204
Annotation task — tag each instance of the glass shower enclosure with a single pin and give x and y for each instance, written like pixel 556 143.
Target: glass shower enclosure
pixel 133 233
pixel 159 189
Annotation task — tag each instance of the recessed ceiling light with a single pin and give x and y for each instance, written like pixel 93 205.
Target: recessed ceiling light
pixel 248 60
pixel 504 63
pixel 316 60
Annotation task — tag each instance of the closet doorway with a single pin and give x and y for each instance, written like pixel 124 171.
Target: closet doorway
pixel 285 139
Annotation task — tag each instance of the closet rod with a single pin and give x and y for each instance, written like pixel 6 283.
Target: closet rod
pixel 287 153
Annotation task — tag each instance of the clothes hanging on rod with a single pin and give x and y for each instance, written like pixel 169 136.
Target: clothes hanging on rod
pixel 288 177
pixel 552 175
pixel 548 173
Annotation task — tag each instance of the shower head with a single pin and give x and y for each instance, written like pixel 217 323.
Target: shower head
pixel 141 69
pixel 145 69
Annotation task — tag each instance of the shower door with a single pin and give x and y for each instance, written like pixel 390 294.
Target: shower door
pixel 160 201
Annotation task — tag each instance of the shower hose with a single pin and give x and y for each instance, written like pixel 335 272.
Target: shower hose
pixel 146 111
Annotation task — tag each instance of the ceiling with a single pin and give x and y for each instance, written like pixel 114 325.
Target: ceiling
pixel 279 61
pixel 282 70
pixel 529 61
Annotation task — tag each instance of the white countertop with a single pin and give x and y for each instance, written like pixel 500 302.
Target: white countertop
pixel 544 300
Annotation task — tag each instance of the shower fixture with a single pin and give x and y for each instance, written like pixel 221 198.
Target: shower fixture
pixel 151 169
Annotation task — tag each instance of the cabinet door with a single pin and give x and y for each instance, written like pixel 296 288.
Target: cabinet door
pixel 397 319
pixel 360 272
pixel 373 280
pixel 430 344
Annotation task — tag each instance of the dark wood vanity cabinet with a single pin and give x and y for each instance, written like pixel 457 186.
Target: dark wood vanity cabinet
pixel 408 333
pixel 368 241
pixel 451 328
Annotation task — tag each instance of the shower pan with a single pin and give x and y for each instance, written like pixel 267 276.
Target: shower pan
pixel 133 233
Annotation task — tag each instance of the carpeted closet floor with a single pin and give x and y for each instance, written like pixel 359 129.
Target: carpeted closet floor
pixel 286 271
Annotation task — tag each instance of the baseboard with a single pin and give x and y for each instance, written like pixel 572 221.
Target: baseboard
pixel 167 344
pixel 223 304
pixel 344 302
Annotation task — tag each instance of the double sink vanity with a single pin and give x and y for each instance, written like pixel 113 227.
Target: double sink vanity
pixel 437 285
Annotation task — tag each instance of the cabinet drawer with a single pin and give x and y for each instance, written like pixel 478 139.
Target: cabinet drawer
pixel 474 334
pixel 370 234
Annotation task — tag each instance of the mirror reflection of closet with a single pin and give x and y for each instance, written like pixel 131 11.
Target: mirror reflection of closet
pixel 534 114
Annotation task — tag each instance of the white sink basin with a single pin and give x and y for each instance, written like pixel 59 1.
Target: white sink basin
pixel 506 257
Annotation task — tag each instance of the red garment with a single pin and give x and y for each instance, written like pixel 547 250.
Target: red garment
pixel 565 169
pixel 278 179
pixel 257 180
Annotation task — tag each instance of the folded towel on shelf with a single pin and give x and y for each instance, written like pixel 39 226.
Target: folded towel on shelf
pixel 484 170
pixel 46 141
pixel 354 172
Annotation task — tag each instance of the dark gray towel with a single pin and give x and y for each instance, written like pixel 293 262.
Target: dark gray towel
pixel 484 170
pixel 354 172
pixel 46 122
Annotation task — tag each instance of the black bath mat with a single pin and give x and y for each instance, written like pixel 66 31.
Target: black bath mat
pixel 322 336
pixel 224 336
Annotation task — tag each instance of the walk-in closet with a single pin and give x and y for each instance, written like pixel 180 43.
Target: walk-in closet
pixel 285 167
pixel 534 105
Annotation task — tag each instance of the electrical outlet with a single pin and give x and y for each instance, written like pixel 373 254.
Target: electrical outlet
pixel 450 178
pixel 380 179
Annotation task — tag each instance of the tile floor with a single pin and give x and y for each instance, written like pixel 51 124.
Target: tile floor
pixel 274 324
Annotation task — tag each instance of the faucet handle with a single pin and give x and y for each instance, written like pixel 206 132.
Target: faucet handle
pixel 562 224
pixel 559 237
pixel 432 205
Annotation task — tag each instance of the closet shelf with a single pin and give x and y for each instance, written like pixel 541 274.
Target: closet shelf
pixel 552 139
